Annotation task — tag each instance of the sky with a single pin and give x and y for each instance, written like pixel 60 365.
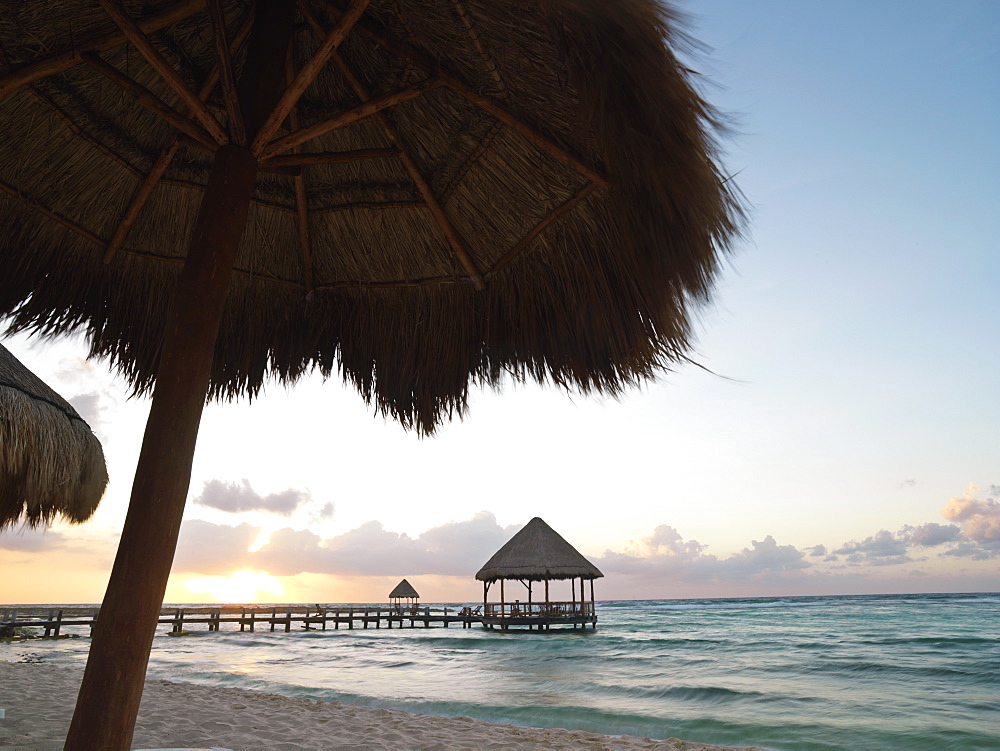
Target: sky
pixel 842 437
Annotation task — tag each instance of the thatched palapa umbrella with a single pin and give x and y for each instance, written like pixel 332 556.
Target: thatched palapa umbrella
pixel 51 463
pixel 417 194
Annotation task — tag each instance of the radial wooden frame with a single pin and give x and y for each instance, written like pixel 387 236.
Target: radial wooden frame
pixel 456 84
pixel 165 70
pixel 63 61
pixel 307 74
pixel 162 162
pixel 149 100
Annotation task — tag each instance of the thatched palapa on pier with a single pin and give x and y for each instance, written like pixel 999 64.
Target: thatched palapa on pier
pixel 537 553
pixel 404 591
pixel 419 196
pixel 51 463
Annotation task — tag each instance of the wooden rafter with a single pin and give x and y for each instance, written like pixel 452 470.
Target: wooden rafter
pixel 139 199
pixel 164 69
pixel 484 53
pixel 53 215
pixel 368 205
pixel 65 60
pixel 328 157
pixel 297 86
pixel 69 122
pixel 155 175
pixel 224 64
pixel 425 282
pixel 456 84
pixel 301 194
pixel 149 100
pixel 366 109
pixel 435 208
pixel 535 231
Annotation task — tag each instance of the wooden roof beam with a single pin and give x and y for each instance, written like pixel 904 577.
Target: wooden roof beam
pixel 65 60
pixel 328 157
pixel 435 208
pixel 224 67
pixel 307 75
pixel 535 231
pixel 155 174
pixel 149 100
pixel 164 69
pixel 53 215
pixel 368 108
pixel 456 84
pixel 301 195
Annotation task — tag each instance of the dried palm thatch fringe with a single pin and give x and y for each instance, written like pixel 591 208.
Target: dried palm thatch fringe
pixel 537 552
pixel 404 589
pixel 50 461
pixel 558 144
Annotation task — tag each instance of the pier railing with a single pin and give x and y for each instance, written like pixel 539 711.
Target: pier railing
pixel 539 610
pixel 51 622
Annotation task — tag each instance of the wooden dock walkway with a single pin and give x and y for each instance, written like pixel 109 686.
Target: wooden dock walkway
pixel 248 618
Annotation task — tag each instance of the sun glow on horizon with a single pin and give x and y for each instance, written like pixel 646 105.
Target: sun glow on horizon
pixel 239 587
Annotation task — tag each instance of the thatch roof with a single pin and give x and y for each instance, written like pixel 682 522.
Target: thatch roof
pixel 537 552
pixel 404 589
pixel 50 461
pixel 539 197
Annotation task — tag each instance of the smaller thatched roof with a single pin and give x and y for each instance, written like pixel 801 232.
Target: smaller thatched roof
pixel 404 589
pixel 537 552
pixel 50 461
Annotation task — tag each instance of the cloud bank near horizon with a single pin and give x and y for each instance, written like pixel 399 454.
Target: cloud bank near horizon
pixel 458 549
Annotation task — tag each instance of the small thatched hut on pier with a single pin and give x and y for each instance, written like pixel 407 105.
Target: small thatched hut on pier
pixel 404 596
pixel 538 554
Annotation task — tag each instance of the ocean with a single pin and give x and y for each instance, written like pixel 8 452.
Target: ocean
pixel 798 673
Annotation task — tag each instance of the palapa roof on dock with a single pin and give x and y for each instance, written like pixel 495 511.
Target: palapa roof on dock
pixel 537 552
pixel 50 461
pixel 404 589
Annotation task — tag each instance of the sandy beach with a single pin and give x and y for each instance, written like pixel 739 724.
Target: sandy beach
pixel 38 703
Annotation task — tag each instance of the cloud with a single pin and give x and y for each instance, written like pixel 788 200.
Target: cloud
pixel 667 556
pixel 32 540
pixel 816 551
pixel 765 556
pixel 908 484
pixel 980 520
pixel 455 548
pixel 207 548
pixel 237 497
pixel 932 533
pixel 883 544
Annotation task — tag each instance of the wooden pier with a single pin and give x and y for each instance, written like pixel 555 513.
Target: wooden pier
pixel 181 620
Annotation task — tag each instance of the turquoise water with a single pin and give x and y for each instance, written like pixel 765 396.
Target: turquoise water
pixel 861 672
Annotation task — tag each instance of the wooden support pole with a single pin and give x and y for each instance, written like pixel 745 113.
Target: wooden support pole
pixel 113 680
pixel 501 599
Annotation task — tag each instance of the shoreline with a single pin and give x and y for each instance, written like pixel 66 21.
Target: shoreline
pixel 38 701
